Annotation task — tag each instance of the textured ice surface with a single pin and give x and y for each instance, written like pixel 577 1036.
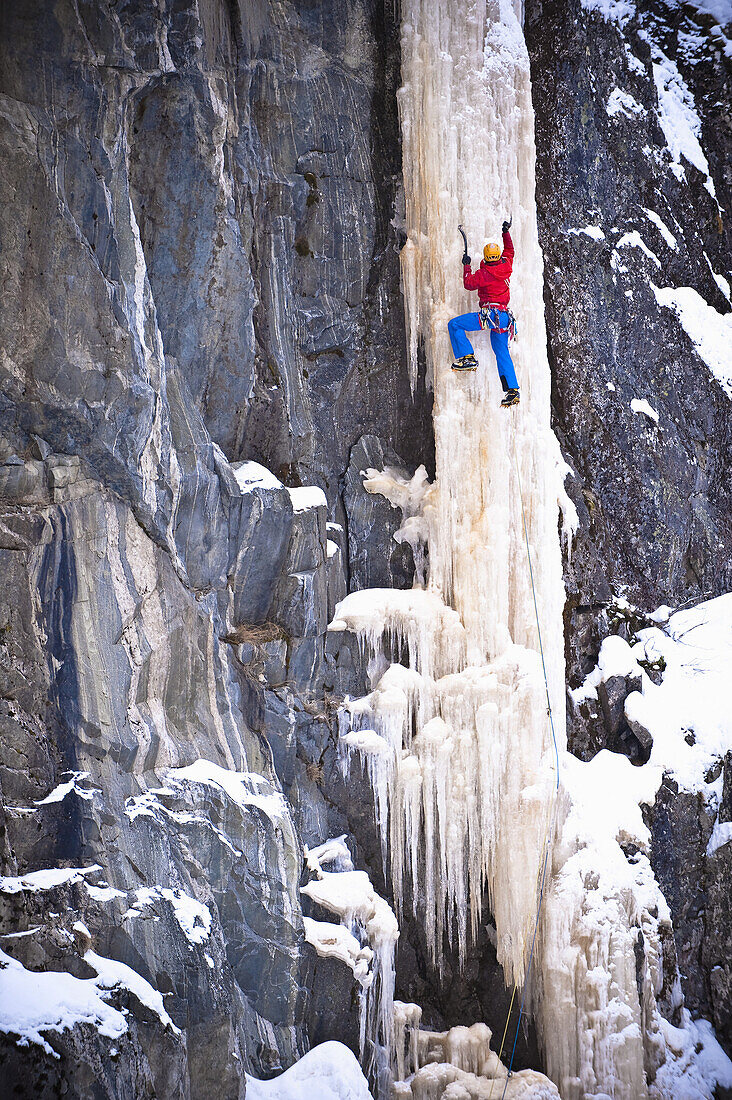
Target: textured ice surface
pixel 457 1063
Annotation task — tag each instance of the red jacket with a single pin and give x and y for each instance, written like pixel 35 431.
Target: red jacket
pixel 492 280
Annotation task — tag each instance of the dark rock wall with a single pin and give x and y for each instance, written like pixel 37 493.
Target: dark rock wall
pixel 654 501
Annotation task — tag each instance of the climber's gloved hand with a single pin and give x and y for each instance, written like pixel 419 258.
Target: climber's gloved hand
pixel 466 259
pixel 506 226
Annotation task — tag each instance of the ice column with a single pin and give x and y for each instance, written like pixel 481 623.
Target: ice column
pixel 458 743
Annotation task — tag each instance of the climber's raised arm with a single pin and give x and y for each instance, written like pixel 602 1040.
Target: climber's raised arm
pixel 508 250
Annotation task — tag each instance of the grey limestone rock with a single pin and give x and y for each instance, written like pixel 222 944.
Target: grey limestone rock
pixel 375 559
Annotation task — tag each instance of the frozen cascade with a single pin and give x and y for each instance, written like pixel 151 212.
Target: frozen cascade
pixel 458 744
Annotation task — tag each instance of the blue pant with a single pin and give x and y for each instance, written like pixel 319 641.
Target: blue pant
pixel 470 322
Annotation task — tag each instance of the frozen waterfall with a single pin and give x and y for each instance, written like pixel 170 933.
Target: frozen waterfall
pixel 463 763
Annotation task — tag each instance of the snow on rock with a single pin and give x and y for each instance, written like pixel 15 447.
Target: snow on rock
pixel 614 659
pixel 104 893
pixel 615 11
pixel 111 974
pixel 251 475
pixel 601 899
pixel 721 835
pixel 307 497
pixel 640 405
pixel 721 10
pixel 695 649
pixel 246 789
pixel 622 103
pixel 48 879
pixel 33 1003
pixel 59 793
pixel 698 1064
pixel 327 1072
pixel 720 280
pixel 678 117
pixel 709 330
pixel 593 231
pixel 192 916
pixel 634 240
pixel 662 228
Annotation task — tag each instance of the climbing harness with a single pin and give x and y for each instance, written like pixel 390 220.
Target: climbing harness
pixel 551 818
pixel 490 317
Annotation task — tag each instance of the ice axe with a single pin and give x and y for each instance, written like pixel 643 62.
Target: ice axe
pixel 466 258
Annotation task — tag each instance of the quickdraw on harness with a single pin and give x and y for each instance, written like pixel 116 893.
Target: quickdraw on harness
pixel 490 317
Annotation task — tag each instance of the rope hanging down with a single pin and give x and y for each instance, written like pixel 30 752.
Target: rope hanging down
pixel 551 822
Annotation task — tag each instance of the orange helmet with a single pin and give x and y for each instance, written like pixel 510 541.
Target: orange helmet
pixel 491 252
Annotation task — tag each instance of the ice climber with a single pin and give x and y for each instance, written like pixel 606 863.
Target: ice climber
pixel 491 281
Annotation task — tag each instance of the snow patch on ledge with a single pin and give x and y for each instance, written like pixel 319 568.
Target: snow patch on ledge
pixel 614 11
pixel 246 789
pixel 622 103
pixel 58 794
pixel 327 1072
pixel 634 240
pixel 47 879
pixel 252 475
pixel 307 497
pixel 192 916
pixel 709 330
pixel 35 1002
pixel 662 228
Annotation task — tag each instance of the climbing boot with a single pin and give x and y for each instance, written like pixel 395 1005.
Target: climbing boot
pixel 466 362
pixel 511 397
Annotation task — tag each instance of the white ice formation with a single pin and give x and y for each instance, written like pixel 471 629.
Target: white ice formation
pixel 458 743
pixel 365 940
pixel 428 1063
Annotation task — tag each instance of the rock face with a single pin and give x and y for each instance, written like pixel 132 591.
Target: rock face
pixel 200 222
pixel 653 495
pixel 199 267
